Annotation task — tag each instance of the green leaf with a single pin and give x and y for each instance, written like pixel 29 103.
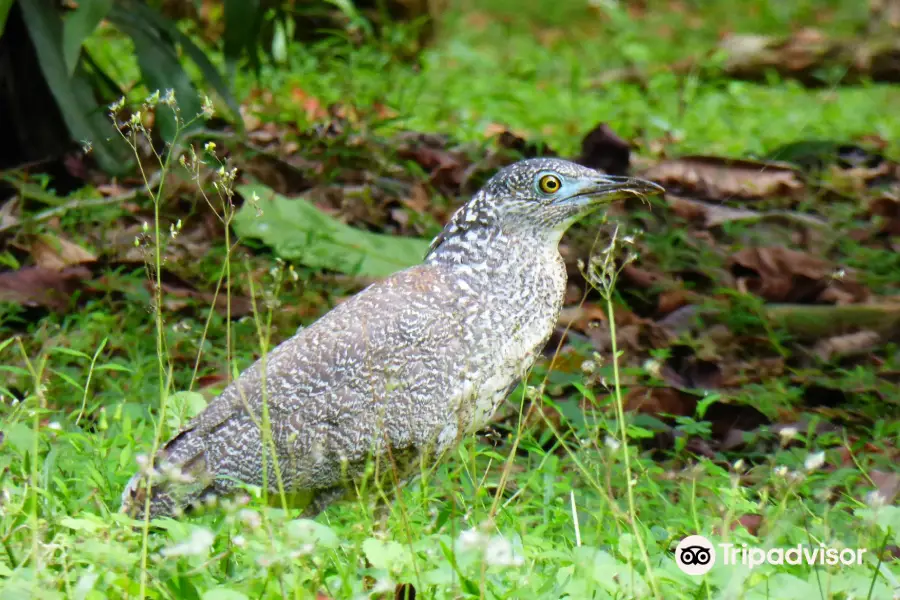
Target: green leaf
pixel 89 525
pixel 183 406
pixel 307 531
pixel 242 22
pixel 298 231
pixel 160 66
pixel 387 555
pixel 78 26
pixel 85 120
pixel 210 73
pixel 5 5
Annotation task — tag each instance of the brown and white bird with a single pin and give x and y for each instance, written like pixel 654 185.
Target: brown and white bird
pixel 399 373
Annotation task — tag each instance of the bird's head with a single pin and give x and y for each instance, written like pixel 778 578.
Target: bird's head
pixel 552 193
pixel 541 197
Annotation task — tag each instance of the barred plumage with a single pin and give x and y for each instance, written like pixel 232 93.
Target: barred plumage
pixel 404 369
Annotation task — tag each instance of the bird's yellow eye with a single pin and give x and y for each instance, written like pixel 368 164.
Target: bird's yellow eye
pixel 549 184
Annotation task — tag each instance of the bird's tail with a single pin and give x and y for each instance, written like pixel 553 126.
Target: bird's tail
pixel 179 477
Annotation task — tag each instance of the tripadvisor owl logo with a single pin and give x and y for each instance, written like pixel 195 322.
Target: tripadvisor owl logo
pixel 695 555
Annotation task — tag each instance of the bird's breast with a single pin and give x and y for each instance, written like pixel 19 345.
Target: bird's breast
pixel 519 306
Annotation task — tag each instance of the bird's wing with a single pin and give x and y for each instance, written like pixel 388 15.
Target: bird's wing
pixel 392 349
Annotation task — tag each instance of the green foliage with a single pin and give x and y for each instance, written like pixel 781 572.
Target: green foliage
pixel 157 43
pixel 298 231
pixel 84 118
pixel 78 26
pixel 5 6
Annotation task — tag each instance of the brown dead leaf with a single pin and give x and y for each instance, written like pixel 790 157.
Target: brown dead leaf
pixel 710 215
pixel 602 148
pixel 39 286
pixel 751 523
pixel 179 294
pixel 447 169
pixel 782 275
pixel 887 485
pixel 683 370
pixel 717 178
pixel 418 199
pixel 660 401
pixel 806 53
pixel 851 344
pixel 57 253
pixel 886 211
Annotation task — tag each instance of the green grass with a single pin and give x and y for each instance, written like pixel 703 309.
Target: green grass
pixel 560 525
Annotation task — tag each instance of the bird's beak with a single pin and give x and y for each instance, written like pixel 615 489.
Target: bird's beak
pixel 607 188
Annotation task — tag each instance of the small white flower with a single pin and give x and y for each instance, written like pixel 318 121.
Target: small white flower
pixel 739 465
pixel 612 443
pixel 169 99
pixel 239 541
pixel 653 367
pixel 787 434
pixel 198 544
pixel 500 552
pixel 814 461
pixel 875 499
pixel 780 471
pixel 207 108
pixel 250 517
pixel 469 540
pixel 54 426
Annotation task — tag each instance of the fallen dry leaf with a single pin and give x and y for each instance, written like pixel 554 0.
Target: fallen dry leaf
pixel 851 344
pixel 710 215
pixel 887 484
pixel 56 253
pixel 716 178
pixel 179 294
pixel 886 211
pixel 660 401
pixel 39 286
pixel 782 275
pixel 602 148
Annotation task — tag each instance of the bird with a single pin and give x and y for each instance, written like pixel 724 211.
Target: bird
pixel 393 378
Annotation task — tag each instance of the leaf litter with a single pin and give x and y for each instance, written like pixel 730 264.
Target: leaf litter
pixel 340 199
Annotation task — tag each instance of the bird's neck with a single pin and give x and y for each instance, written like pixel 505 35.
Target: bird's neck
pixel 496 254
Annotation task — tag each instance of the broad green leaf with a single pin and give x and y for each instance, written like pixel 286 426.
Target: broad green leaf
pixel 298 231
pixel 183 406
pixel 78 26
pixel 308 531
pixel 387 555
pixel 160 66
pixel 242 22
pixel 85 120
pixel 5 5
pixel 210 73
pixel 89 525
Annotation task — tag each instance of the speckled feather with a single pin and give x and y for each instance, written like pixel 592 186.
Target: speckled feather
pixel 399 372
